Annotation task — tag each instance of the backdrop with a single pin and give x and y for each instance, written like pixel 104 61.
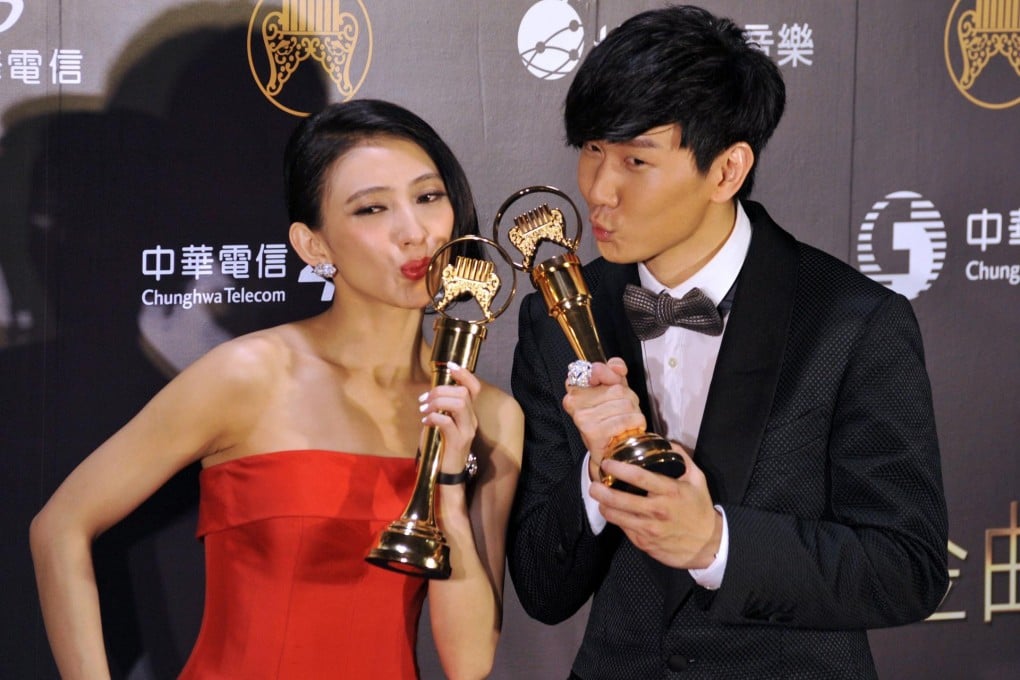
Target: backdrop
pixel 143 222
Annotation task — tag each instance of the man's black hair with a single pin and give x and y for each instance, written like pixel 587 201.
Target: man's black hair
pixel 683 65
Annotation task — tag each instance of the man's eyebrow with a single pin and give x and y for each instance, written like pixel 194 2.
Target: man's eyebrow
pixel 641 143
pixel 649 140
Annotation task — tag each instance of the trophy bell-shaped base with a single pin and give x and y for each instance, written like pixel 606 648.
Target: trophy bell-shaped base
pixel 651 451
pixel 412 547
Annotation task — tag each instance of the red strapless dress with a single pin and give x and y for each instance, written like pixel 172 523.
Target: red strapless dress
pixel 288 592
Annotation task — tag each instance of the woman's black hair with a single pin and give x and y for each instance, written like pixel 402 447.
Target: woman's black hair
pixel 323 138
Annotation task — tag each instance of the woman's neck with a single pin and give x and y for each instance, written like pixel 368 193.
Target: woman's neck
pixel 384 341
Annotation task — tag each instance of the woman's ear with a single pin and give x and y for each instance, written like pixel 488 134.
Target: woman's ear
pixel 307 244
pixel 734 164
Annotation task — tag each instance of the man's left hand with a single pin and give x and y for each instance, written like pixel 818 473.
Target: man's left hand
pixel 675 523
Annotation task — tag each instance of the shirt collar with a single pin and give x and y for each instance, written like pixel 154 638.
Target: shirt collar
pixel 718 275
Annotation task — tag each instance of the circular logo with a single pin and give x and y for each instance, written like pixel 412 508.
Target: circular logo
pixel 295 47
pixel 902 243
pixel 550 39
pixel 982 51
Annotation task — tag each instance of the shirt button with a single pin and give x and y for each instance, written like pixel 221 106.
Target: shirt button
pixel 672 362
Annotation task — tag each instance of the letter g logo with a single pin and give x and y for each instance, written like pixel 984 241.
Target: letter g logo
pixel 902 243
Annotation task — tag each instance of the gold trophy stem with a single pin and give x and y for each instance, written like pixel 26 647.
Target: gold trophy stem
pixel 414 544
pixel 562 285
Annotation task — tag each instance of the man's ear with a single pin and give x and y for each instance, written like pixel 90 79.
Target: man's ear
pixel 307 244
pixel 733 166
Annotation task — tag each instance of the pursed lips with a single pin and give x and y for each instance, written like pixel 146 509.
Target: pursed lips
pixel 415 269
pixel 598 230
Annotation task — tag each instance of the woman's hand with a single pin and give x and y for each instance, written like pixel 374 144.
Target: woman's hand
pixel 466 610
pixel 450 409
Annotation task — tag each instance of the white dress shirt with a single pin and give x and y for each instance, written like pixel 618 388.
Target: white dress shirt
pixel 678 370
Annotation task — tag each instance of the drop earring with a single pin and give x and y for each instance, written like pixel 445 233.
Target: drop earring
pixel 325 270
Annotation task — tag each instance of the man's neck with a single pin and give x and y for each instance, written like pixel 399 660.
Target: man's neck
pixel 672 269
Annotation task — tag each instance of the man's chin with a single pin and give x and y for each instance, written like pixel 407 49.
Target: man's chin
pixel 615 255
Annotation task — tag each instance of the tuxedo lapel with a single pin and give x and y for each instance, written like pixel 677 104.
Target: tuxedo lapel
pixel 746 372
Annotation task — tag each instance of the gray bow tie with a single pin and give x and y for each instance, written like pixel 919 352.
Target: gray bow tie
pixel 650 314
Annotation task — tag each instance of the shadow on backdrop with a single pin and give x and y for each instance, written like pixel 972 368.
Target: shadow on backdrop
pixel 184 150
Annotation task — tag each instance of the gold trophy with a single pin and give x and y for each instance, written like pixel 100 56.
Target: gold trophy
pixel 414 544
pixel 566 295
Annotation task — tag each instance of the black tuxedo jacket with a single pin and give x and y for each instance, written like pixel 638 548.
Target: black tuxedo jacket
pixel 818 441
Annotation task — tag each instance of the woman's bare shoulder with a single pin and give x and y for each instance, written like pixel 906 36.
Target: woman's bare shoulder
pixel 251 359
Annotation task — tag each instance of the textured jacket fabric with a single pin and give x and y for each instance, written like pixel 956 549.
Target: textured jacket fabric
pixel 819 442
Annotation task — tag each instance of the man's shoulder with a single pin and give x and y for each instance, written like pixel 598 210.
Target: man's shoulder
pixel 819 272
pixel 823 273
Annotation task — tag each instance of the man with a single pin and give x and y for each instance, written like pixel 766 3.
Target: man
pixel 812 507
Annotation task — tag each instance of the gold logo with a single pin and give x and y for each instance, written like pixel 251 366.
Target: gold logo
pixel 541 224
pixel 474 277
pixel 982 37
pixel 289 35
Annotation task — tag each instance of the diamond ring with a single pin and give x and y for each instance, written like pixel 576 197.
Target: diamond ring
pixel 579 373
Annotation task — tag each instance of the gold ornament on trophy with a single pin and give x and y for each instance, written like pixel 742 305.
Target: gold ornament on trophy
pixel 560 281
pixel 414 543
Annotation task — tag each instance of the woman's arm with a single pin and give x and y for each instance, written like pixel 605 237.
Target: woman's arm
pixel 183 422
pixel 466 610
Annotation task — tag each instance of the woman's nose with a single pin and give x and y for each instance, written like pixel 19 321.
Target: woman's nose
pixel 411 228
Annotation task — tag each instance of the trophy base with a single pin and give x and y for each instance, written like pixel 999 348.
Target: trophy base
pixel 650 451
pixel 411 549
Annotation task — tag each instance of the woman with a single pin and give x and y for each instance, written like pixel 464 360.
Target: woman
pixel 306 433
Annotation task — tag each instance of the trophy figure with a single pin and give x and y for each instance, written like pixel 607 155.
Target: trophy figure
pixel 562 285
pixel 414 543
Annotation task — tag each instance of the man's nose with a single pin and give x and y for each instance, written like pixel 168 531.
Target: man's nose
pixel 602 189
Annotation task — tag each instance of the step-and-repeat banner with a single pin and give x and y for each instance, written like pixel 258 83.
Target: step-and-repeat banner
pixel 143 222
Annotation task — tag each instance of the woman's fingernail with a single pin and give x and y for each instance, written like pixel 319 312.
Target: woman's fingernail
pixel 423 408
pixel 423 396
pixel 453 365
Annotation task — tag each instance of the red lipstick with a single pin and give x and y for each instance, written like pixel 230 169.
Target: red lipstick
pixel 415 269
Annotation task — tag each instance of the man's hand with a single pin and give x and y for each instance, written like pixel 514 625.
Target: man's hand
pixel 604 409
pixel 675 523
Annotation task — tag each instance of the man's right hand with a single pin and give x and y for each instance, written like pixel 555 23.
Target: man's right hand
pixel 603 410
